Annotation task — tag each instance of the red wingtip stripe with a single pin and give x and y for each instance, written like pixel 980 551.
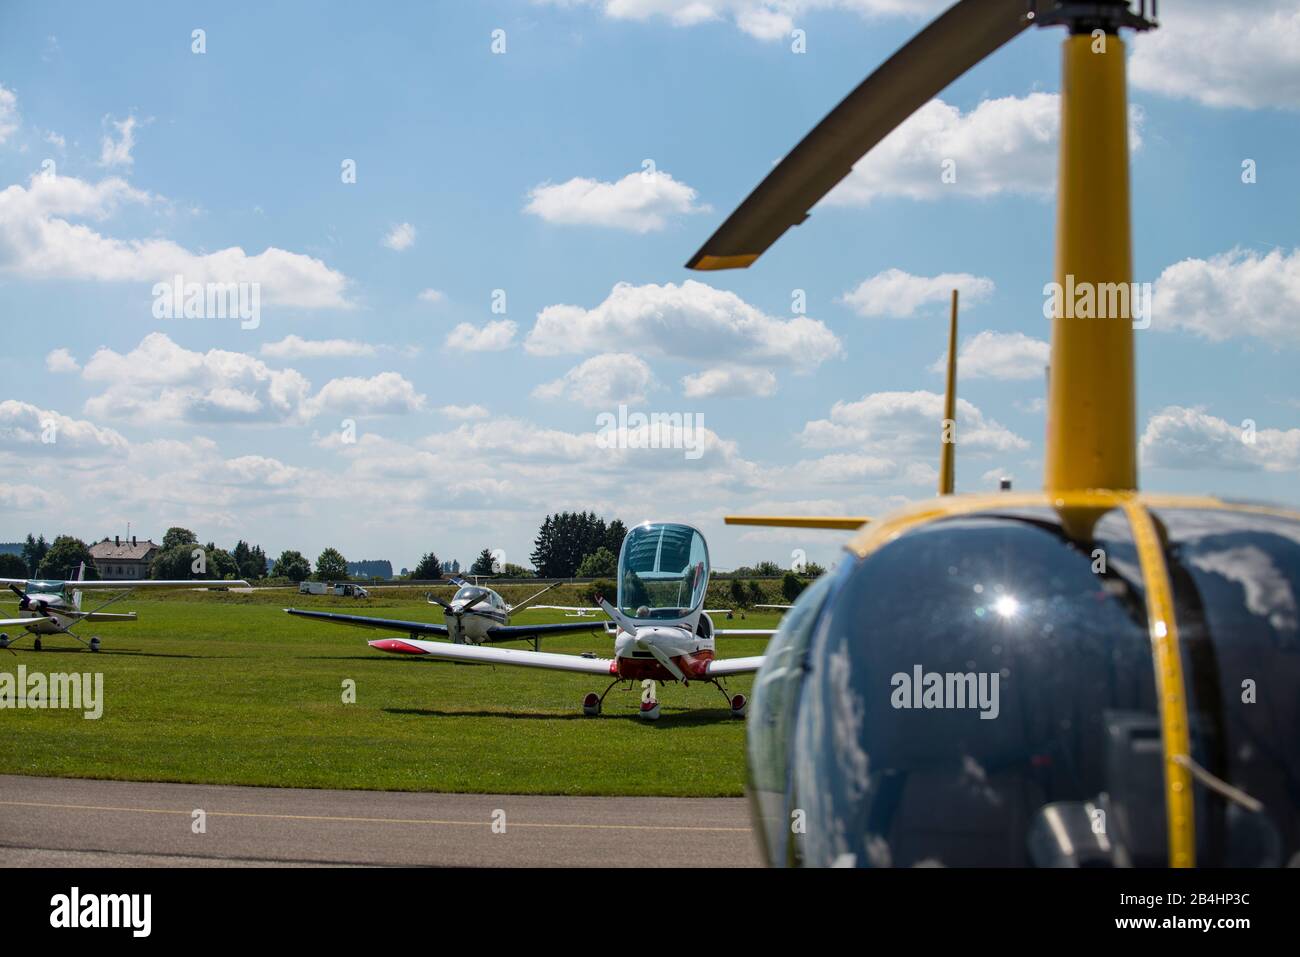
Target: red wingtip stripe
pixel 396 646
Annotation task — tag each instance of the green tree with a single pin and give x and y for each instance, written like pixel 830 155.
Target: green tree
pixel 767 569
pixel 483 564
pixel 756 596
pixel 34 552
pixel 738 596
pixel 813 570
pixel 511 570
pixel 566 538
pixel 331 566
pixel 192 561
pixel 250 559
pixel 599 564
pixel 791 586
pixel 220 563
pixel 292 565
pixel 64 559
pixel 12 566
pixel 177 536
pixel 429 568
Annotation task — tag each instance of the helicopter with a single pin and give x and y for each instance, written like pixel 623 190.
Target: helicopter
pixel 1143 648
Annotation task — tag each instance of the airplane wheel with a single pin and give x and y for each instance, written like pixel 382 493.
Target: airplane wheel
pixel 94 644
pixel 36 644
pixel 738 706
pixel 4 641
pixel 591 704
pixel 650 710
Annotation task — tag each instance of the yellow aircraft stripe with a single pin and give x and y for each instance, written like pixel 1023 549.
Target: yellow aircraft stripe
pixel 848 523
pixel 1171 691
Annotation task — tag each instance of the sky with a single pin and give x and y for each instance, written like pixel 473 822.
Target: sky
pixel 466 225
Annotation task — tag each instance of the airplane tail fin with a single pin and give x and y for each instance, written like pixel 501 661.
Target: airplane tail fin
pixel 76 595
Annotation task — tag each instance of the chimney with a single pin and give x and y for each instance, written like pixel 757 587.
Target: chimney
pixel 133 541
pixel 117 540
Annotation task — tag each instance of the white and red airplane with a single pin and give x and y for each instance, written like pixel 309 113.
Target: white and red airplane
pixel 661 631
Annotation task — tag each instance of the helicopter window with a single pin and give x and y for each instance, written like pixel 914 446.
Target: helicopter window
pixel 771 718
pixel 1236 579
pixel 977 688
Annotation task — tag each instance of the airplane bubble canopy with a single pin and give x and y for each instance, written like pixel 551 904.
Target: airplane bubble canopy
pixel 663 572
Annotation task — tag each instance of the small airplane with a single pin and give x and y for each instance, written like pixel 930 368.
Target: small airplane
pixel 54 607
pixel 661 629
pixel 476 615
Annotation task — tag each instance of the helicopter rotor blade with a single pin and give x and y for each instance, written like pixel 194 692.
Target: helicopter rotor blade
pixel 955 41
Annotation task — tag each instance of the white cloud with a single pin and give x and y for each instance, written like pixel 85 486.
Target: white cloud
pixel 729 382
pixel 296 347
pixel 1245 54
pixel 26 426
pixel 1237 293
pixel 463 412
pixel 493 337
pixel 8 113
pixel 999 355
pixel 401 236
pixel 899 422
pixel 896 294
pixel 160 382
pixel 117 152
pixel 602 381
pixel 37 242
pixel 640 202
pixel 385 394
pixel 432 296
pixel 1177 437
pixel 762 19
pixel 684 322
pixel 1006 145
pixel 61 360
pixel 25 498
pixel 54 139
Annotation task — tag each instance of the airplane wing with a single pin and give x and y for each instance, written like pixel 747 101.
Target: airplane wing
pixel 514 632
pixel 721 667
pixel 498 656
pixel 104 616
pixel 783 607
pixel 387 624
pixel 561 608
pixel 20 622
pixel 737 632
pixel 158 583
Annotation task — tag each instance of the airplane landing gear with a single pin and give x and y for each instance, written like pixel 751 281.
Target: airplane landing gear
pixel 650 710
pixel 4 641
pixel 738 705
pixel 94 643
pixel 592 702
pixel 36 644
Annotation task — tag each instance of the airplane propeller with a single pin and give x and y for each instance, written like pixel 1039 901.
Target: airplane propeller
pixel 953 43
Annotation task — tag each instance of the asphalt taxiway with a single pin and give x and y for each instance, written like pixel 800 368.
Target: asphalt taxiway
pixel 70 822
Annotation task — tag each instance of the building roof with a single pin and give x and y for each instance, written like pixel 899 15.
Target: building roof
pixel 122 550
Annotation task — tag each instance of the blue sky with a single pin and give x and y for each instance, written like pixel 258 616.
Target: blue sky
pixel 520 172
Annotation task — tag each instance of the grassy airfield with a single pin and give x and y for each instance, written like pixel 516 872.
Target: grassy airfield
pixel 224 688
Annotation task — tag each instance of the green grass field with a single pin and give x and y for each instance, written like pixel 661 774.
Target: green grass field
pixel 227 689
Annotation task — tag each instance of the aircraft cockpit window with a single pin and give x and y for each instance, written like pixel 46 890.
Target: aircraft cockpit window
pixel 980 692
pixel 663 572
